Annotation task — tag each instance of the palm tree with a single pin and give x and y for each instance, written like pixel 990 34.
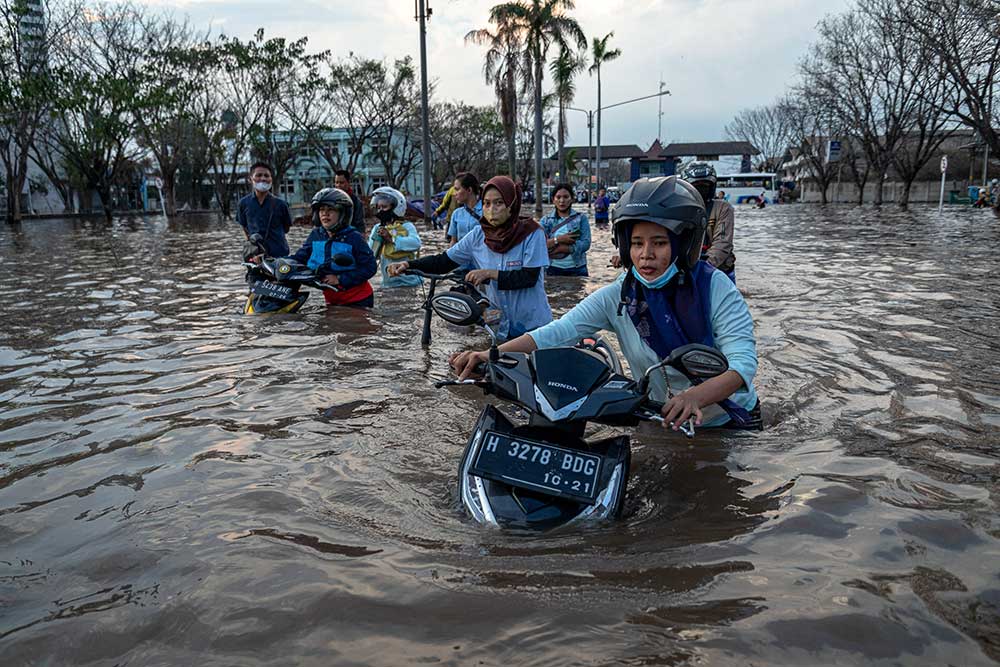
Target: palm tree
pixel 503 66
pixel 540 24
pixel 601 55
pixel 564 69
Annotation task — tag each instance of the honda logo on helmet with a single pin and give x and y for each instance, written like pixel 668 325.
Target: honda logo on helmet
pixel 639 203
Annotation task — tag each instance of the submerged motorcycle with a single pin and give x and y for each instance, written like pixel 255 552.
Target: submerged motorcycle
pixel 276 283
pixel 545 474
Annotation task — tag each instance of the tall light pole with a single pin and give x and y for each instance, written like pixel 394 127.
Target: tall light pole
pixel 423 14
pixel 612 106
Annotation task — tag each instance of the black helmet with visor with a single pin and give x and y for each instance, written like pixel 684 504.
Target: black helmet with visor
pixel 339 200
pixel 669 202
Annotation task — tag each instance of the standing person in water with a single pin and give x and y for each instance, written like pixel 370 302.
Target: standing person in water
pixel 601 206
pixel 469 213
pixel 508 255
pixel 337 252
pixel 393 239
pixel 260 212
pixel 664 299
pixel 568 235
pixel 342 181
pixel 717 248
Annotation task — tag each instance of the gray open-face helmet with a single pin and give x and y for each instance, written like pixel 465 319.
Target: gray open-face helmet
pixel 669 202
pixel 339 200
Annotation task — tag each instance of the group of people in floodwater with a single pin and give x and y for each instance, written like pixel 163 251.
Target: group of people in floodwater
pixel 677 283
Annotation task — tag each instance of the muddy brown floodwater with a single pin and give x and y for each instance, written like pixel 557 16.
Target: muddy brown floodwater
pixel 184 485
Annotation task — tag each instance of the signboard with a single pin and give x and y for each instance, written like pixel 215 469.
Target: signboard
pixel 944 163
pixel 833 150
pixel 158 183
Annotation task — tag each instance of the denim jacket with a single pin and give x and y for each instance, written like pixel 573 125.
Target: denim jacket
pixel 576 222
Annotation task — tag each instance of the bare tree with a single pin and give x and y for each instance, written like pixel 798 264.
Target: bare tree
pixel 856 71
pixel 964 37
pixel 811 125
pixel 923 86
pixel 766 127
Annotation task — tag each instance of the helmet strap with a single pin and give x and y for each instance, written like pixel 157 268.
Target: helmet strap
pixel 626 288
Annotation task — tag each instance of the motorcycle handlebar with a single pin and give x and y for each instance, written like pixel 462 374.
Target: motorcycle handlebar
pixel 457 275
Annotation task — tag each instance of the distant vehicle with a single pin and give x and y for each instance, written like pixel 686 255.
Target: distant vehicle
pixel 748 188
pixel 614 193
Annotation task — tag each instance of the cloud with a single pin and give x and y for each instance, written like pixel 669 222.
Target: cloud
pixel 716 56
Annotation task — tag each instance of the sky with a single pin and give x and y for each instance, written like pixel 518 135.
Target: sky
pixel 716 57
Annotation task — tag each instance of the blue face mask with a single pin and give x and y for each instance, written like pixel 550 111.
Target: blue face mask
pixel 657 283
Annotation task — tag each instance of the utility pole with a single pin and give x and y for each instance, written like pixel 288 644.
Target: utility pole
pixel 423 15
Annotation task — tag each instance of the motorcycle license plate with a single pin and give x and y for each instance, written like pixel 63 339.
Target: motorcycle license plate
pixel 539 466
pixel 272 290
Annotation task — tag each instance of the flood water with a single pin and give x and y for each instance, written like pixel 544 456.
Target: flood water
pixel 181 484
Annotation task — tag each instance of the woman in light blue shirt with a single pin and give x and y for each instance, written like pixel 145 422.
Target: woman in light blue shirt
pixel 666 298
pixel 466 217
pixel 568 235
pixel 508 256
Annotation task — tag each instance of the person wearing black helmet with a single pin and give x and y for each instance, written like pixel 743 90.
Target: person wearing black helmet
pixel 666 297
pixel 717 249
pixel 336 251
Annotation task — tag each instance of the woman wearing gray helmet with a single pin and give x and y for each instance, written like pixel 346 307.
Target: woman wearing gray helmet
pixel 666 298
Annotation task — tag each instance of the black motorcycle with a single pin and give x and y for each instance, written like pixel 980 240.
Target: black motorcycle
pixel 544 474
pixel 276 283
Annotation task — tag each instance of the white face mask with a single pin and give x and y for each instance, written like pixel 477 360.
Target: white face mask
pixel 261 186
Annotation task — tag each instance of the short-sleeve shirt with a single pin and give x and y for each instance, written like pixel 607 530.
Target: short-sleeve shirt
pixel 522 309
pixel 463 221
pixel 271 220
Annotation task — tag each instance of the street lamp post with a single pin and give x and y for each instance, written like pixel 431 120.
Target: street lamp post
pixel 612 106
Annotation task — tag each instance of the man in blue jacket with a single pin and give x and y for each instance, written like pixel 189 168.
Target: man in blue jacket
pixel 262 213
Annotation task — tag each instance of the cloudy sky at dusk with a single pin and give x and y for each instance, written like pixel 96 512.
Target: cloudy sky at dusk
pixel 716 56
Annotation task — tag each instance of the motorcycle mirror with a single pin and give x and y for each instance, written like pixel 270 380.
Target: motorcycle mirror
pixel 457 308
pixel 698 361
pixel 342 260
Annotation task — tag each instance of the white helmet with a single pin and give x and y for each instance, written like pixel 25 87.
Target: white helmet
pixel 391 195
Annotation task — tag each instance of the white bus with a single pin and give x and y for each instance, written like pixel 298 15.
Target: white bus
pixel 747 188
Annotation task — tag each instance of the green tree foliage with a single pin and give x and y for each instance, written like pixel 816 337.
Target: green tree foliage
pixel 540 24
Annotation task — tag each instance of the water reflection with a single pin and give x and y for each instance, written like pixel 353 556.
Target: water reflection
pixel 180 483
